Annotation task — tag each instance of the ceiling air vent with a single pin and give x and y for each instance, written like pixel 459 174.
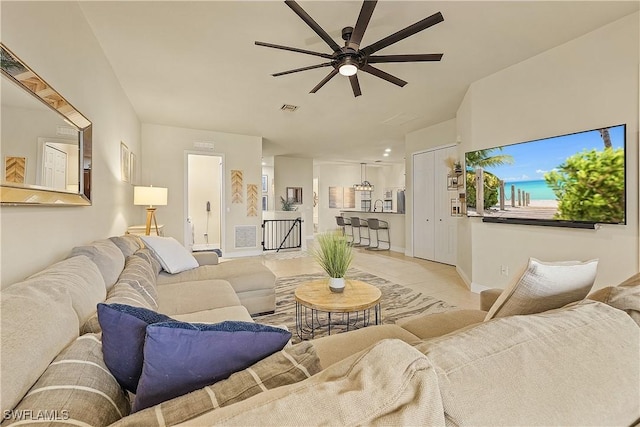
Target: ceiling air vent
pixel 289 108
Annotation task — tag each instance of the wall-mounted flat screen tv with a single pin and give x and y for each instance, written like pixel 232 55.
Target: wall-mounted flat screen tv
pixel 574 180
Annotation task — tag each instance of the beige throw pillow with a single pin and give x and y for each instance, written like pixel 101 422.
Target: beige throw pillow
pixel 545 286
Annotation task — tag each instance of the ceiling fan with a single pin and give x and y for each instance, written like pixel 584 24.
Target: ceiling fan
pixel 348 59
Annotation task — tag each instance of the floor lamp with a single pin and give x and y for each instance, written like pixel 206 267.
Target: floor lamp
pixel 150 196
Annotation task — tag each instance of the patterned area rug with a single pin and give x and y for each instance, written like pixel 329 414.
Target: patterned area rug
pixel 397 301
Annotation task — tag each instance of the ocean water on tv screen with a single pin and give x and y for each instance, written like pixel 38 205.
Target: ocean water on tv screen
pixel 538 189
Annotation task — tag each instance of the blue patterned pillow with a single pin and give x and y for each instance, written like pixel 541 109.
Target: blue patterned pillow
pixel 182 357
pixel 123 333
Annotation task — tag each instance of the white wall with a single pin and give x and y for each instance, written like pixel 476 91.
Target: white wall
pixel 55 40
pixel 163 165
pixel 295 172
pixel 438 135
pixel 586 83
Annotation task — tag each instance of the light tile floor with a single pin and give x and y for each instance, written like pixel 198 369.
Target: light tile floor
pixel 431 278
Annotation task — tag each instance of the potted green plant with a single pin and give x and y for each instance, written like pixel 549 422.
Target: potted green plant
pixel 287 205
pixel 334 254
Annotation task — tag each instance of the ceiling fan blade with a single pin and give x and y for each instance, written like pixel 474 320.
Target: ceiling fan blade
pixel 361 25
pixel 294 49
pixel 325 80
pixel 404 33
pixel 355 85
pixel 378 59
pixel 311 67
pixel 385 76
pixel 313 24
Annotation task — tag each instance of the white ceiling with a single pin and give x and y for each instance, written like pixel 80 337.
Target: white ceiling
pixel 195 65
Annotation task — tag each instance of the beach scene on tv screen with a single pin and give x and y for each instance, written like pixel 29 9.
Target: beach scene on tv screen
pixel 575 177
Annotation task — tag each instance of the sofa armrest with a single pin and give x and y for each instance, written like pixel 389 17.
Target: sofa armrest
pixel 206 258
pixel 488 298
pixel 433 325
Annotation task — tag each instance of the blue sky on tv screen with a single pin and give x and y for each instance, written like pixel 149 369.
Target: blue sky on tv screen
pixel 531 160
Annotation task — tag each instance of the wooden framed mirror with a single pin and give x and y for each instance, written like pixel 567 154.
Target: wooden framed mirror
pixel 46 142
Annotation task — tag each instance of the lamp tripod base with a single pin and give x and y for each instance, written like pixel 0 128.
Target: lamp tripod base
pixel 151 216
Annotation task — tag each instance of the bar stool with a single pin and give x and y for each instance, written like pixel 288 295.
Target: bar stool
pixel 343 223
pixel 378 225
pixel 357 224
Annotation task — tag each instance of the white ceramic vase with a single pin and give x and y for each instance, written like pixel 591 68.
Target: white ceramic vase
pixel 336 284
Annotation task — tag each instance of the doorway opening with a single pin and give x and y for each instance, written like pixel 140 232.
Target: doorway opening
pixel 204 205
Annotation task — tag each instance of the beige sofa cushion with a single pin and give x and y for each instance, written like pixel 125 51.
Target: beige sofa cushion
pixel 389 384
pixel 36 325
pixel 128 244
pixel 572 366
pixel 190 297
pixel 334 348
pixel 625 296
pixel 77 388
pixel 243 274
pixel 437 324
pixel 288 366
pixel 121 293
pixel 107 256
pixel 77 276
pixel 216 315
pixel 139 273
pixel 545 286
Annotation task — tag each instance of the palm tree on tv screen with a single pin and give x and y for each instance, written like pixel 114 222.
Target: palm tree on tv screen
pixel 484 159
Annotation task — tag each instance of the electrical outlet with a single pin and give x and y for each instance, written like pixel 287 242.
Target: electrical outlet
pixel 504 270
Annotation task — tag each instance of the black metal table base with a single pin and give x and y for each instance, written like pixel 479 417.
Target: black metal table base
pixel 310 320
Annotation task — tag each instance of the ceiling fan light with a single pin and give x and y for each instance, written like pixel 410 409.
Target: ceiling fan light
pixel 348 69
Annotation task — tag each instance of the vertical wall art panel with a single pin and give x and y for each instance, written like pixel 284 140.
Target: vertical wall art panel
pixel 15 169
pixel 252 199
pixel 349 198
pixel 335 197
pixel 236 186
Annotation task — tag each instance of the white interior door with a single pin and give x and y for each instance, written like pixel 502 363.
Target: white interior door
pixel 445 225
pixel 434 229
pixel 423 206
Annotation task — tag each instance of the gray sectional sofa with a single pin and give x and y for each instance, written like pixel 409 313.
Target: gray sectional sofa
pixel 575 365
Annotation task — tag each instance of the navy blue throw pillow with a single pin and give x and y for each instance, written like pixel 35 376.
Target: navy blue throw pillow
pixel 123 333
pixel 182 357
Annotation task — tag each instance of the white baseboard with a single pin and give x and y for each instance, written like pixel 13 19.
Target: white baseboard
pixel 476 288
pixel 464 277
pixel 242 254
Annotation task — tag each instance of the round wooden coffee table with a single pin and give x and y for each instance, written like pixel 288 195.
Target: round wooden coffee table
pixel 350 309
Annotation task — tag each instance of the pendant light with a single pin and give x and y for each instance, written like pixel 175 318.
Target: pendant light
pixel 364 185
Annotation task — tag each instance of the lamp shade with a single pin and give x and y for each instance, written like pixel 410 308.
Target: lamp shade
pixel 149 196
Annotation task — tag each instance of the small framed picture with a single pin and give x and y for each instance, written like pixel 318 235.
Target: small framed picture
pixel 265 203
pixel 133 172
pixel 125 168
pixel 265 183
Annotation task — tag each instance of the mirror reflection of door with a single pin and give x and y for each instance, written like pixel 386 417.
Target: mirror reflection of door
pixel 204 208
pixel 57 164
pixel 54 168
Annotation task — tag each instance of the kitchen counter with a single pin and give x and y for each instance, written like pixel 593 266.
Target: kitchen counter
pixel 372 212
pixel 396 225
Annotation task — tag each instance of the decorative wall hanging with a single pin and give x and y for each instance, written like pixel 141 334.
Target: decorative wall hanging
pixel 335 197
pixel 15 169
pixel 236 186
pixel 252 199
pixel 125 169
pixel 349 199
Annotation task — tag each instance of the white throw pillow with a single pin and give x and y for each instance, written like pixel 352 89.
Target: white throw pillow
pixel 545 286
pixel 173 257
